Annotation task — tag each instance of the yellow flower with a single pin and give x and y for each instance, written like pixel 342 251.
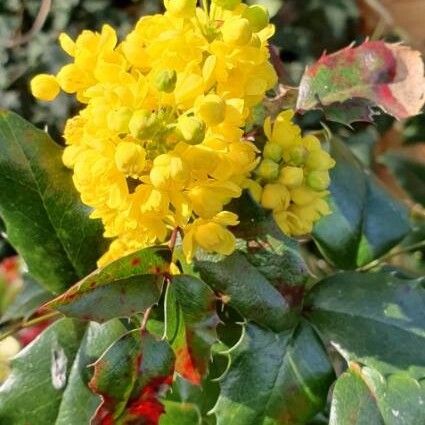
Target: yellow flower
pixel 45 87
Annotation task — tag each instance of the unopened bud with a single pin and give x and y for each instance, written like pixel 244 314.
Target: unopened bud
pixel 166 81
pixel 192 129
pixel 227 4
pixel 237 31
pixel 268 169
pixel 291 177
pixel 273 151
pixel 181 8
pixel 318 180
pixel 258 17
pixel 212 110
pixel 140 121
pixel 275 197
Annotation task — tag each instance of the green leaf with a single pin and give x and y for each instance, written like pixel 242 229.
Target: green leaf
pixel 45 219
pixel 365 397
pixel 34 390
pixel 274 378
pixel 29 299
pixel 242 286
pixel 366 221
pixel 180 414
pixel 127 286
pixel 374 318
pixel 409 171
pixel 131 376
pixel 373 74
pixel 190 325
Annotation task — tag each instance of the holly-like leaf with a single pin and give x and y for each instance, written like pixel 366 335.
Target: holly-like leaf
pixel 127 286
pixel 180 414
pixel 274 378
pixel 374 74
pixel 374 318
pixel 190 325
pixel 365 397
pixel 29 299
pixel 45 219
pixel 48 384
pixel 34 390
pixel 242 286
pixel 130 377
pixel 366 221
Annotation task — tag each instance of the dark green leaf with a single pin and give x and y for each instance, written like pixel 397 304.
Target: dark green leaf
pixel 45 219
pixel 374 318
pixel 33 392
pixel 366 221
pixel 248 291
pixel 365 397
pixel 127 286
pixel 29 299
pixel 410 173
pixel 131 376
pixel 190 325
pixel 274 378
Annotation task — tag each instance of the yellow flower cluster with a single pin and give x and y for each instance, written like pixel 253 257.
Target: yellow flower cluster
pixel 159 142
pixel 293 176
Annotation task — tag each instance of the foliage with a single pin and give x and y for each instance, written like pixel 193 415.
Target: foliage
pixel 327 328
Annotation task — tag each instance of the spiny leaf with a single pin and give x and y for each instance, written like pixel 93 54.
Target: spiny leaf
pixel 390 76
pixel 362 396
pixel 190 325
pixel 45 219
pixel 376 319
pixel 274 378
pixel 125 287
pixel 130 377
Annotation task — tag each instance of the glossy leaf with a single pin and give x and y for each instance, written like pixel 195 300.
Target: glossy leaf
pixel 130 377
pixel 191 321
pixel 241 285
pixel 180 414
pixel 390 76
pixel 365 397
pixel 374 318
pixel 33 392
pixel 366 221
pixel 45 220
pixel 274 378
pixel 127 286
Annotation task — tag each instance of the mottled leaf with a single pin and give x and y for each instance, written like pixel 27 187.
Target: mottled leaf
pixel 390 76
pixel 45 219
pixel 190 325
pixel 366 221
pixel 131 376
pixel 374 318
pixel 274 378
pixel 365 397
pixel 127 286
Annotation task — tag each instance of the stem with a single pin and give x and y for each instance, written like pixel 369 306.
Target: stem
pixel 173 238
pixel 27 324
pixel 145 320
pixel 401 251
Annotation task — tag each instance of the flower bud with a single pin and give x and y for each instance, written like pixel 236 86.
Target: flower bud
pixel 291 177
pixel 212 110
pixel 181 8
pixel 255 190
pixel 118 119
pixel 319 160
pixel 297 156
pixel 227 4
pixel 45 87
pixel 140 121
pixel 258 17
pixel 168 172
pixel 192 129
pixel 303 195
pixel 166 81
pixel 318 180
pixel 268 169
pixel 273 151
pixel 237 31
pixel 130 158
pixel 275 197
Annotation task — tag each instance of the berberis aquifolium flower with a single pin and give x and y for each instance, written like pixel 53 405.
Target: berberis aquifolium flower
pixel 159 142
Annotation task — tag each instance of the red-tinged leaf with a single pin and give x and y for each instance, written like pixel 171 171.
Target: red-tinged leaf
pixel 191 322
pixel 130 377
pixel 125 287
pixel 374 74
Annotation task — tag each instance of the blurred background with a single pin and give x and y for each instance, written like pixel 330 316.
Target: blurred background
pixel 395 151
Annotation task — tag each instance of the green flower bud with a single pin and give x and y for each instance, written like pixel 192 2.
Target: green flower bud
pixel 297 156
pixel 227 4
pixel 191 129
pixel 273 151
pixel 318 180
pixel 319 160
pixel 140 122
pixel 258 17
pixel 268 169
pixel 166 81
pixel 291 177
